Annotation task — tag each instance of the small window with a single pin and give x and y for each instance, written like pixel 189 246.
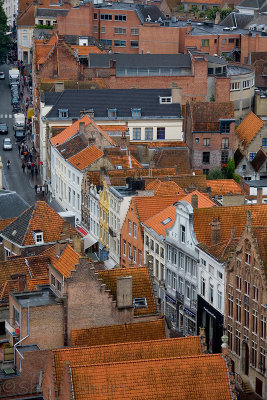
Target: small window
pixel 245 84
pixel 134 31
pixel 58 286
pixel 264 141
pixel 119 31
pixel 225 143
pixel 95 29
pixel 205 42
pixel 182 231
pixel 103 29
pixel 136 133
pixel 140 302
pixel 148 133
pixel 231 40
pixel 120 17
pixel 120 43
pixel 165 100
pixel 38 237
pixel 160 133
pixel 63 114
pixel 95 15
pixel 251 156
pixel 223 41
pixel 196 140
pixel 206 157
pixel 53 280
pixel 134 43
pixel 225 126
pixel 235 86
pixel 136 112
pixel 206 142
pixel 244 167
pixel 106 17
pixel 106 42
pixel 112 113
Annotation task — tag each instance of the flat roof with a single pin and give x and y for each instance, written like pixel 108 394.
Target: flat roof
pixel 37 298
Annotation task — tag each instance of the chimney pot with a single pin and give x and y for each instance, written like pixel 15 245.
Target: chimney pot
pixel 215 227
pixel 124 292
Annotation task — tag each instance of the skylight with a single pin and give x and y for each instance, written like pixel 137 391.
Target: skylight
pixel 166 221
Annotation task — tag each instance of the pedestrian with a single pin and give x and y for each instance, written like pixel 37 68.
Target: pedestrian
pixel 35 188
pixel 19 147
pixel 30 157
pixel 23 167
pixel 32 172
pixel 36 170
pixel 38 189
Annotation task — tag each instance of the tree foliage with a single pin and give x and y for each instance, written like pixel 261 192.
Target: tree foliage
pixel 215 174
pixel 230 170
pixel 5 40
pixel 210 13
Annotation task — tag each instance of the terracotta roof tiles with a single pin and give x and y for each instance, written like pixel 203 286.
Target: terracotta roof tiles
pixel 141 285
pixel 164 188
pixel 86 157
pixel 148 206
pixel 156 223
pixel 249 128
pixel 66 262
pixel 125 161
pixel 206 115
pixel 224 186
pixel 135 332
pixel 203 199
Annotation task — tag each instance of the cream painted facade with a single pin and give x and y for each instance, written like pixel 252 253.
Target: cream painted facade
pixel 25 41
pixel 11 10
pixel 173 129
pixel 242 89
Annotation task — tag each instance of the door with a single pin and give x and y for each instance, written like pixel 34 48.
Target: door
pixel 246 359
pixel 259 387
pixel 25 57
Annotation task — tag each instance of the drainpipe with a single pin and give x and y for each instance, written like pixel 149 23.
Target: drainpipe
pixel 21 340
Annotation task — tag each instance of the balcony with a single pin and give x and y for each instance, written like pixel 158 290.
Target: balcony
pixel 13 330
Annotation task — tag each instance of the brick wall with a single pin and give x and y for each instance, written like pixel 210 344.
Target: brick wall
pixel 161 40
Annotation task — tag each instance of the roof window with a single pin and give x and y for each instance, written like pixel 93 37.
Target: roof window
pixel 38 237
pixel 140 302
pixel 166 221
pixel 136 112
pixel 165 100
pixel 63 113
pixel 112 113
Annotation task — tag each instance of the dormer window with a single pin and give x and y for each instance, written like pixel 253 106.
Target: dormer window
pixel 112 113
pixel 63 113
pixel 140 302
pixel 165 100
pixel 136 112
pixel 225 126
pixel 38 237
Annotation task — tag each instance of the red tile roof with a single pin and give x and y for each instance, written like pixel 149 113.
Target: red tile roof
pixel 202 377
pixel 86 157
pixel 203 199
pixel 66 262
pixel 249 128
pixel 125 161
pixel 151 205
pixel 134 332
pixel 164 188
pixel 156 222
pixel 224 186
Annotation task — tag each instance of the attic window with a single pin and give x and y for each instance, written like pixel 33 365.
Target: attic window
pixel 166 221
pixel 118 166
pixel 112 113
pixel 63 113
pixel 140 302
pixel 225 126
pixel 165 100
pixel 38 237
pixel 136 112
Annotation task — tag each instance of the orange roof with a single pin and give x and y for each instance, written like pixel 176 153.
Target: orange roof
pixel 33 283
pixel 124 161
pixel 66 262
pixel 141 285
pixel 134 332
pixel 74 128
pixel 156 223
pixel 230 217
pixel 86 50
pixel 202 377
pixel 86 157
pixel 121 352
pixel 224 186
pixel 203 199
pixel 5 222
pixel 148 206
pixel 165 188
pixel 249 128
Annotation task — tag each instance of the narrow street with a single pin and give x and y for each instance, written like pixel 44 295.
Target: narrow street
pixel 13 178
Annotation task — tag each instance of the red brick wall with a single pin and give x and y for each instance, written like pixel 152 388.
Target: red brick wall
pixel 49 387
pixel 215 46
pixel 77 22
pixel 222 89
pixel 161 40
pixel 138 242
pixel 250 44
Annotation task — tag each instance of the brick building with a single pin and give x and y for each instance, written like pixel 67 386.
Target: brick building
pixel 209 134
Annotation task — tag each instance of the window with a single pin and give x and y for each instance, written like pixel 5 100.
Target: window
pixel 157 248
pixel 162 271
pixel 231 40
pixel 69 195
pixel 230 305
pixel 203 286
pixel 255 293
pixel 124 247
pixel 168 277
pixel 206 157
pixel 135 230
pixel 162 252
pixel 246 315
pixel 63 114
pixel 106 42
pixel 255 321
pixel 103 29
pixel 181 285
pixel 205 42
pixel 148 133
pixel 262 361
pixel 112 113
pixel 160 133
pixel 40 22
pixel 245 84
pixel 136 133
pixel 211 269
pixel 225 143
pixel 181 260
pixel 95 29
pixel 254 353
pixel 38 237
pixel 136 112
pixel 139 257
pixel 134 31
pixel 248 258
pixel 194 268
pixel 156 268
pixel 106 17
pixel 187 290
pixel 58 286
pixel 120 17
pixel 147 240
pixel 53 280
pixel 164 100
pixel 129 227
pixel 219 299
pixel 247 288
pixel 16 315
pixel 152 245
pixel 264 141
pixel 206 142
pixel 140 302
pixel 238 310
pixel 219 275
pixel 120 31
pixel 237 342
pixel 251 156
pixel 230 337
pixel 196 140
pixel 235 86
pixel 129 251
pixel 238 282
pixel 134 43
pixel 95 15
pixel 120 43
pixel 263 327
pixel 225 126
pixel 211 296
pixel 182 233
pixel 134 255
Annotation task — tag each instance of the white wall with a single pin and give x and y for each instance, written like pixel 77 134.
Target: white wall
pixel 10 8
pixel 173 128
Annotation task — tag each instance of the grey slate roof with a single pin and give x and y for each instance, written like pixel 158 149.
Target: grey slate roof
pixel 257 4
pixel 144 11
pixel 237 19
pixel 140 60
pixel 11 204
pixel 16 231
pixel 50 12
pixel 121 99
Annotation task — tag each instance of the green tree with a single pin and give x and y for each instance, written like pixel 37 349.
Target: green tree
pixel 230 171
pixel 5 40
pixel 215 174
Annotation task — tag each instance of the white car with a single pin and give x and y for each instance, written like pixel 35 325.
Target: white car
pixel 7 144
pixel 2 75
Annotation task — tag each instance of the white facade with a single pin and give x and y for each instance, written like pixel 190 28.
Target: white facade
pixel 181 278
pixel 94 212
pixel 11 10
pixel 24 43
pixel 66 183
pixel 156 129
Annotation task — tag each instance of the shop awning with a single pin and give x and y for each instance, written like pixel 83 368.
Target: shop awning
pixel 89 241
pixel 30 113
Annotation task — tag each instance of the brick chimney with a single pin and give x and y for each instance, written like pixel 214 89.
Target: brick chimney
pixel 77 243
pixel 259 195
pixel 217 18
pixel 82 127
pixel 65 230
pixel 124 292
pixel 215 230
pixel 194 201
pixel 176 93
pixel 60 245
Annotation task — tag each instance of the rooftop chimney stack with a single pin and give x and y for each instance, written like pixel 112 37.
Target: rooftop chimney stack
pixel 124 292
pixel 194 201
pixel 259 195
pixel 81 127
pixel 176 93
pixel 215 227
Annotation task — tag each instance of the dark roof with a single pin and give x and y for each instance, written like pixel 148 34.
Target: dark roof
pixel 152 12
pixel 251 3
pixel 11 204
pixel 238 157
pixel 50 12
pixel 259 159
pixel 121 99
pixel 140 60
pixel 17 229
pixel 72 146
pixel 74 40
pixel 236 19
pixel 206 116
pixel 50 98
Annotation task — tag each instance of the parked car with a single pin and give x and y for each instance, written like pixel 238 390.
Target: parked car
pixel 2 75
pixel 7 144
pixel 3 128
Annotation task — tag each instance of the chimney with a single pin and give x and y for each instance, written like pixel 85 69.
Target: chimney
pixel 77 243
pixel 215 227
pixel 65 230
pixel 176 93
pixel 59 87
pixel 1 174
pixel 259 195
pixel 194 201
pixel 124 292
pixel 21 282
pixel 217 18
pixel 60 245
pixel 82 127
